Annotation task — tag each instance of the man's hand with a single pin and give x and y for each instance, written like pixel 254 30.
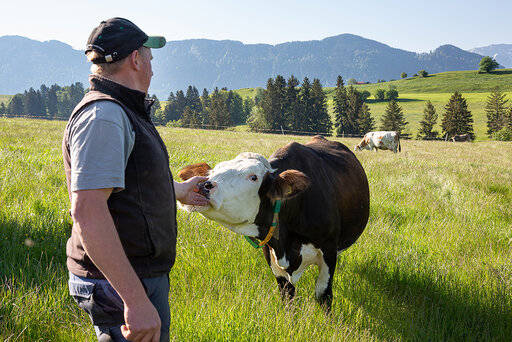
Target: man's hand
pixel 142 322
pixel 185 191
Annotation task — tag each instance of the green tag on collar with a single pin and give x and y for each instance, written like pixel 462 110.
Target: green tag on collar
pixel 251 241
pixel 277 206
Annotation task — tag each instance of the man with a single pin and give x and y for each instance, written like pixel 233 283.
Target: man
pixel 123 197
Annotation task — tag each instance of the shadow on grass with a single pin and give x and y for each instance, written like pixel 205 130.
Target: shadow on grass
pixel 426 307
pixel 32 269
pixel 27 251
pixel 501 72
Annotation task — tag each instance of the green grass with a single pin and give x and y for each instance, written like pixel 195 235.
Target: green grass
pixel 448 82
pixel 432 265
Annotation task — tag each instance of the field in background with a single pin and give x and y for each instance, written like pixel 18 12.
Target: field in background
pixel 414 92
pixel 433 264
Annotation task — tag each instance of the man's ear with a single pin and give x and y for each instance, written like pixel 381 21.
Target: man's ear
pixel 287 184
pixel 189 171
pixel 134 59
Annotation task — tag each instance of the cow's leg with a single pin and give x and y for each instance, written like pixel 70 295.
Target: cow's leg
pixel 323 288
pixel 286 288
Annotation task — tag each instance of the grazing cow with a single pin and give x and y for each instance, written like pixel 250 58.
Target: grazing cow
pixel 325 206
pixel 380 140
pixel 462 137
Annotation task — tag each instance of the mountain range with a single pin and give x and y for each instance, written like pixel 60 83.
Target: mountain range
pixel 204 63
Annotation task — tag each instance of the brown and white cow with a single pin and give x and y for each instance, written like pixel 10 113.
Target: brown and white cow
pixel 461 137
pixel 325 206
pixel 380 140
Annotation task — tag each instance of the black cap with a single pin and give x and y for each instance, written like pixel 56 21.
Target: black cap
pixel 116 38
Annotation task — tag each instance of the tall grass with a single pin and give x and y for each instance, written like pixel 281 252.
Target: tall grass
pixel 432 265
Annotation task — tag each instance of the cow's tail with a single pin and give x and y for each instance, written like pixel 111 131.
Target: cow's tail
pixel 399 147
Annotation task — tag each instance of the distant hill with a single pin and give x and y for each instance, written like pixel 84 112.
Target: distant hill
pixel 502 53
pixel 26 63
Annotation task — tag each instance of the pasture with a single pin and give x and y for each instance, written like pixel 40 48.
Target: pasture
pixel 434 263
pixel 414 92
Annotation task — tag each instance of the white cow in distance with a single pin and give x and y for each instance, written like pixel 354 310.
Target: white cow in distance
pixel 380 140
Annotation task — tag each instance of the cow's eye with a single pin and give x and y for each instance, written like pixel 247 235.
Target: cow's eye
pixel 254 178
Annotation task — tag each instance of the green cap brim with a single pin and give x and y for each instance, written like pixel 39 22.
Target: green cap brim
pixel 155 42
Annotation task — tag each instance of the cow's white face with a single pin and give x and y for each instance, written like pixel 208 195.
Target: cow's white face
pixel 234 199
pixel 234 186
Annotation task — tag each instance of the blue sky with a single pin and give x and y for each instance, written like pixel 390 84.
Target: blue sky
pixel 418 26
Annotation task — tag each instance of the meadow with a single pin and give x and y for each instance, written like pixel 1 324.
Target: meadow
pixel 414 92
pixel 432 265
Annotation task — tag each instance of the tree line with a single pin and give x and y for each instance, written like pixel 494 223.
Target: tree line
pixel 283 106
pixel 54 102
pixel 218 110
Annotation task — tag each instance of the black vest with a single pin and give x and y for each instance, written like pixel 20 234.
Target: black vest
pixel 144 212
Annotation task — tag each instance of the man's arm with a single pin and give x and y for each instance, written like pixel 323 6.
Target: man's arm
pixel 101 242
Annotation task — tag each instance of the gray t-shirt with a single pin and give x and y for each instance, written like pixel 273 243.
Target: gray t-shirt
pixel 100 143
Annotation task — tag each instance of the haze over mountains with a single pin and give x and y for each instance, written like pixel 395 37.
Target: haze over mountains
pixel 203 63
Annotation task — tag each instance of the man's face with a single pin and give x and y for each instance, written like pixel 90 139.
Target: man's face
pixel 146 70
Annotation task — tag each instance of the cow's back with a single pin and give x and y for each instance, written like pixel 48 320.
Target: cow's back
pixel 336 205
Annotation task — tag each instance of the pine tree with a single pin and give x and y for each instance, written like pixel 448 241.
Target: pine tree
pixel 219 114
pixel 274 102
pixel 428 122
pixel 248 104
pixel 393 118
pixel 170 111
pixel 305 106
pixel 235 105
pixel 365 120
pixel 293 118
pixel 3 109
pixel 340 107
pixel 15 106
pixel 33 103
pixel 192 99
pixel 354 104
pixel 190 118
pixel 156 113
pixel 320 121
pixel 43 90
pixel 457 119
pixel 52 101
pixel 205 105
pixel 496 110
pixel 180 103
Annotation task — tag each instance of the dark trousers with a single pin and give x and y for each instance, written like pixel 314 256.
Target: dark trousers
pixel 106 309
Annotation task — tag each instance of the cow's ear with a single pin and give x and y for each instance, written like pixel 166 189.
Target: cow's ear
pixel 189 171
pixel 288 183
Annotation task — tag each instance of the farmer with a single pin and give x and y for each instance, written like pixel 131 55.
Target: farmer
pixel 123 197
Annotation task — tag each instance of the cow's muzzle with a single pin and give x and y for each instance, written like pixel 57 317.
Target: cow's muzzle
pixel 204 188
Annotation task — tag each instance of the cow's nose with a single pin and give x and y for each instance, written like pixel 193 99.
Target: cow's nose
pixel 208 185
pixel 204 188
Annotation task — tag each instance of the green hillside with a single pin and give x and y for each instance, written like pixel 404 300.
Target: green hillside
pixel 414 92
pixel 448 82
pixel 5 99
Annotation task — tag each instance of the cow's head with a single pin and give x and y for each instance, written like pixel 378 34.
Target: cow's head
pixel 363 145
pixel 237 187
